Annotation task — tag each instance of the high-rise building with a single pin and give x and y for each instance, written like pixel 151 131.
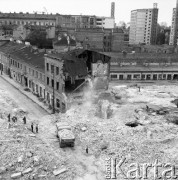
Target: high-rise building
pixel 143 25
pixel 113 9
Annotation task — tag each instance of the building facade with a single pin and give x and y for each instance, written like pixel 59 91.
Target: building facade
pixel 50 76
pixel 143 66
pixel 143 26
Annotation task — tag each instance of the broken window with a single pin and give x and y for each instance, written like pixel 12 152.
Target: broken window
pixel 148 76
pixel 136 76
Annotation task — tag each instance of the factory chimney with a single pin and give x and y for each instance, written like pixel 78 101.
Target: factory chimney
pixel 176 26
pixel 113 9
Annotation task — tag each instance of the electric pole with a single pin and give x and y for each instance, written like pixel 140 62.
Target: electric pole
pixel 53 95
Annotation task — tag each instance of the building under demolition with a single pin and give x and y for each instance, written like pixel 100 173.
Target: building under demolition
pixel 50 76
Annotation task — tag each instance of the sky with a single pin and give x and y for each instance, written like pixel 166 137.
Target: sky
pixel 91 7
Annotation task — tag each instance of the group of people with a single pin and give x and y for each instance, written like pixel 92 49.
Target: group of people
pixel 14 119
pixel 32 127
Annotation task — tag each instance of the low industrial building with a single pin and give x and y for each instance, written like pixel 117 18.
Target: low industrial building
pixel 143 66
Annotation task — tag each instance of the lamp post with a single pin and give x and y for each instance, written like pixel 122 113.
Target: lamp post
pixel 53 95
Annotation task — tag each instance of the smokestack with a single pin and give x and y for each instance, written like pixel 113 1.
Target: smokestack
pixel 176 26
pixel 113 9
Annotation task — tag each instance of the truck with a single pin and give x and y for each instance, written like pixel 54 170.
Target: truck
pixel 65 135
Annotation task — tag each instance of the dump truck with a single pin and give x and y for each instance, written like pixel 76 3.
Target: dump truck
pixel 65 135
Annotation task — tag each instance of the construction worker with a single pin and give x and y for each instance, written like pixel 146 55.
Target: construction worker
pixel 32 127
pixel 147 108
pixel 87 149
pixel 14 119
pixel 9 117
pixel 36 128
pixel 24 120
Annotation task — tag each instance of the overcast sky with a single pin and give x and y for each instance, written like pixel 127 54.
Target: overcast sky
pixel 91 7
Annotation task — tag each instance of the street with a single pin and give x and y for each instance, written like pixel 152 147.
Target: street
pixel 75 158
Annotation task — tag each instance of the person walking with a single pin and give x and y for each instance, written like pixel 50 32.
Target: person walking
pixel 36 128
pixel 32 127
pixel 9 117
pixel 24 120
pixel 87 149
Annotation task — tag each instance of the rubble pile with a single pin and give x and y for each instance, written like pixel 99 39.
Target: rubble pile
pixel 24 155
pixel 133 131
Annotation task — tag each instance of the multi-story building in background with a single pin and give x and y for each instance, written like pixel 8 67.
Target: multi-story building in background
pixel 143 26
pixel 27 19
pixel 67 21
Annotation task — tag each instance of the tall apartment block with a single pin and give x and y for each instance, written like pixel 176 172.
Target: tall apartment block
pixel 112 9
pixel 143 26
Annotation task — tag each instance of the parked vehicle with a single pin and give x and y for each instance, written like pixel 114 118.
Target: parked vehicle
pixel 65 135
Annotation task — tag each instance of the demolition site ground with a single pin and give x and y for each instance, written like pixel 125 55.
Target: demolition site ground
pixel 137 121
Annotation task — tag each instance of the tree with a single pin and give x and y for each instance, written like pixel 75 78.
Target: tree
pixel 160 38
pixel 122 24
pixel 38 37
pixel 163 24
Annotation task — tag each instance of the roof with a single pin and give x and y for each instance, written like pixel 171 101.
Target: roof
pixel 10 47
pixel 27 16
pixel 143 68
pixel 30 57
pixel 73 65
pixel 140 57
pixel 75 68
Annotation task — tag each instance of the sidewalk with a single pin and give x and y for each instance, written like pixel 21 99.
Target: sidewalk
pixel 27 94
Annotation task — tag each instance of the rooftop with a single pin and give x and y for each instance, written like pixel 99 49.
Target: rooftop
pixel 143 68
pixel 10 47
pixel 142 57
pixel 31 57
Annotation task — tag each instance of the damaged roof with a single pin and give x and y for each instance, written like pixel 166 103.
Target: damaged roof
pixel 72 65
